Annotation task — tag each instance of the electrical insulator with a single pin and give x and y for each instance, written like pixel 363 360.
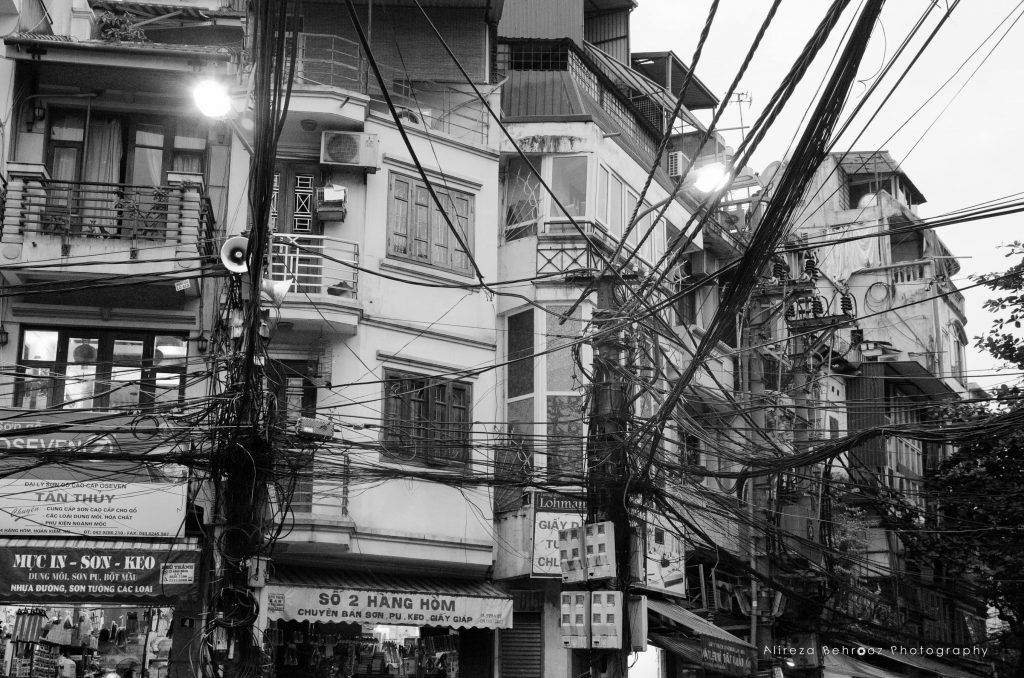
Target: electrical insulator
pixel 780 270
pixel 790 312
pixel 817 308
pixel 846 303
pixel 811 268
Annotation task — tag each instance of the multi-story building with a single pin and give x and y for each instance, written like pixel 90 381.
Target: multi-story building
pixel 879 325
pixel 114 195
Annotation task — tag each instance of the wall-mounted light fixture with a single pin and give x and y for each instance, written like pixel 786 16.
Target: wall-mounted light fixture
pixel 202 343
pixel 4 337
pixel 36 114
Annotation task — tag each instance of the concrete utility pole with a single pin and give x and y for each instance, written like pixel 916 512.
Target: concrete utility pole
pixel 607 460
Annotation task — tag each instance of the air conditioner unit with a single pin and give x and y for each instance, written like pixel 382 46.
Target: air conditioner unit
pixel 350 149
pixel 677 164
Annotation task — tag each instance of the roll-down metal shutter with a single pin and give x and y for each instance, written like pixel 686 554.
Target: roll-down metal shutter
pixel 521 648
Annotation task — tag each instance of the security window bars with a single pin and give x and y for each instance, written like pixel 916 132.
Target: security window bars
pixel 426 419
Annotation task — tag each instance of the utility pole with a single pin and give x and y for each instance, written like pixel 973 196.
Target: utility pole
pixel 607 461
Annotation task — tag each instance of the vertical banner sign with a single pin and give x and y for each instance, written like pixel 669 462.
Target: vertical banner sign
pixel 551 513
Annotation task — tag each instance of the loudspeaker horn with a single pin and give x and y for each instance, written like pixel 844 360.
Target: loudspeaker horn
pixel 233 253
pixel 276 289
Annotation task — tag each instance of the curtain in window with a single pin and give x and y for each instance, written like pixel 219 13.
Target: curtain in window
pixel 102 166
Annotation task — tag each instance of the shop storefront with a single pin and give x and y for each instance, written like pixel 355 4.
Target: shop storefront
pixel 95 570
pixel 327 624
pixel 80 608
pixel 695 646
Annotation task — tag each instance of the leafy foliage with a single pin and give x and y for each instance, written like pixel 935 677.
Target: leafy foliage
pixel 1002 341
pixel 120 28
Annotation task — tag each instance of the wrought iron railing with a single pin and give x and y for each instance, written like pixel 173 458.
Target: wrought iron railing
pixel 319 265
pixel 332 61
pixel 69 210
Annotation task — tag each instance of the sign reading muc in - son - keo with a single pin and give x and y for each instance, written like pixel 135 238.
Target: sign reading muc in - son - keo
pixel 388 607
pixel 148 572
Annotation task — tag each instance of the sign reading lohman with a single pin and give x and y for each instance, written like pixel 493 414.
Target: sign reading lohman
pixel 387 607
pixel 95 574
pixel 96 485
pixel 551 513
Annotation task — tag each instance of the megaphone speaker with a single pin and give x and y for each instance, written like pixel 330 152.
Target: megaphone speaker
pixel 276 289
pixel 233 253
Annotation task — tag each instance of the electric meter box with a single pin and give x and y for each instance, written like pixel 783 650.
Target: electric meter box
pixel 575 619
pixel 599 540
pixel 570 555
pixel 606 619
pixel 638 623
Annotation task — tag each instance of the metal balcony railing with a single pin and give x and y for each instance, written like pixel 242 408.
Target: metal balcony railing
pixel 320 266
pixel 158 215
pixel 332 61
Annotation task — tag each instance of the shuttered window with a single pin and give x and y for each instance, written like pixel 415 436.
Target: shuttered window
pixel 521 648
pixel 417 230
pixel 427 420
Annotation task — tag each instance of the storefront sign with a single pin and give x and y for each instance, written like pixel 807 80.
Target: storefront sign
pixel 37 574
pixel 551 513
pixel 387 607
pixel 95 508
pixel 726 657
pixel 82 432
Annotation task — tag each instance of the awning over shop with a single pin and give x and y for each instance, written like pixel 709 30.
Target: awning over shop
pixel 687 650
pixel 909 657
pixel 347 597
pixel 841 666
pixel 45 571
pixel 719 650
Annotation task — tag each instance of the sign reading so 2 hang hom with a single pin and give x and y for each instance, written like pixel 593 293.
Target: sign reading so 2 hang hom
pixel 551 513
pixel 93 496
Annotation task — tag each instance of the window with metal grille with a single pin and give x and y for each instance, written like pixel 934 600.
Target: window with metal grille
pixel 426 419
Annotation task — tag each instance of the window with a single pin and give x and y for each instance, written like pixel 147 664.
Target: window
pixel 120 148
pixel 79 368
pixel 294 396
pixel 291 204
pixel 569 183
pixel 426 419
pixel 523 194
pixel 520 352
pixel 417 231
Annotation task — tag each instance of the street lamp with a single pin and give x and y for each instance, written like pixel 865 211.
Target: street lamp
pixel 211 98
pixel 710 178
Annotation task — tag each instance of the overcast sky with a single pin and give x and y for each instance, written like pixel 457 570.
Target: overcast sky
pixel 970 155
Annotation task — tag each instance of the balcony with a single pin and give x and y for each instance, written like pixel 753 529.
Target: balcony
pixel 325 287
pixel 87 229
pixel 330 62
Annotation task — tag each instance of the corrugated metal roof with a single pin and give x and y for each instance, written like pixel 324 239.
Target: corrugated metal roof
pixel 304 576
pixel 156 48
pixel 688 650
pixel 151 10
pixel 856 163
pixel 691 621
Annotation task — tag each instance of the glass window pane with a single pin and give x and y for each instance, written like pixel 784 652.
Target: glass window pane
pixel 170 351
pixel 65 166
pixel 627 213
pixel 39 345
pixel 602 195
pixel 522 199
pixel 520 346
pixel 149 135
pixel 615 207
pixel 147 166
pixel 191 134
pixel 125 386
pixel 80 373
pixel 67 126
pixel 569 183
pixel 128 351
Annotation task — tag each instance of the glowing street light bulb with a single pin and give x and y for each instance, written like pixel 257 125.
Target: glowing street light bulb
pixel 212 98
pixel 711 177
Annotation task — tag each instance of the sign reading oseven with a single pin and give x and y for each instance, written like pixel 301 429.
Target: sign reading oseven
pixel 97 508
